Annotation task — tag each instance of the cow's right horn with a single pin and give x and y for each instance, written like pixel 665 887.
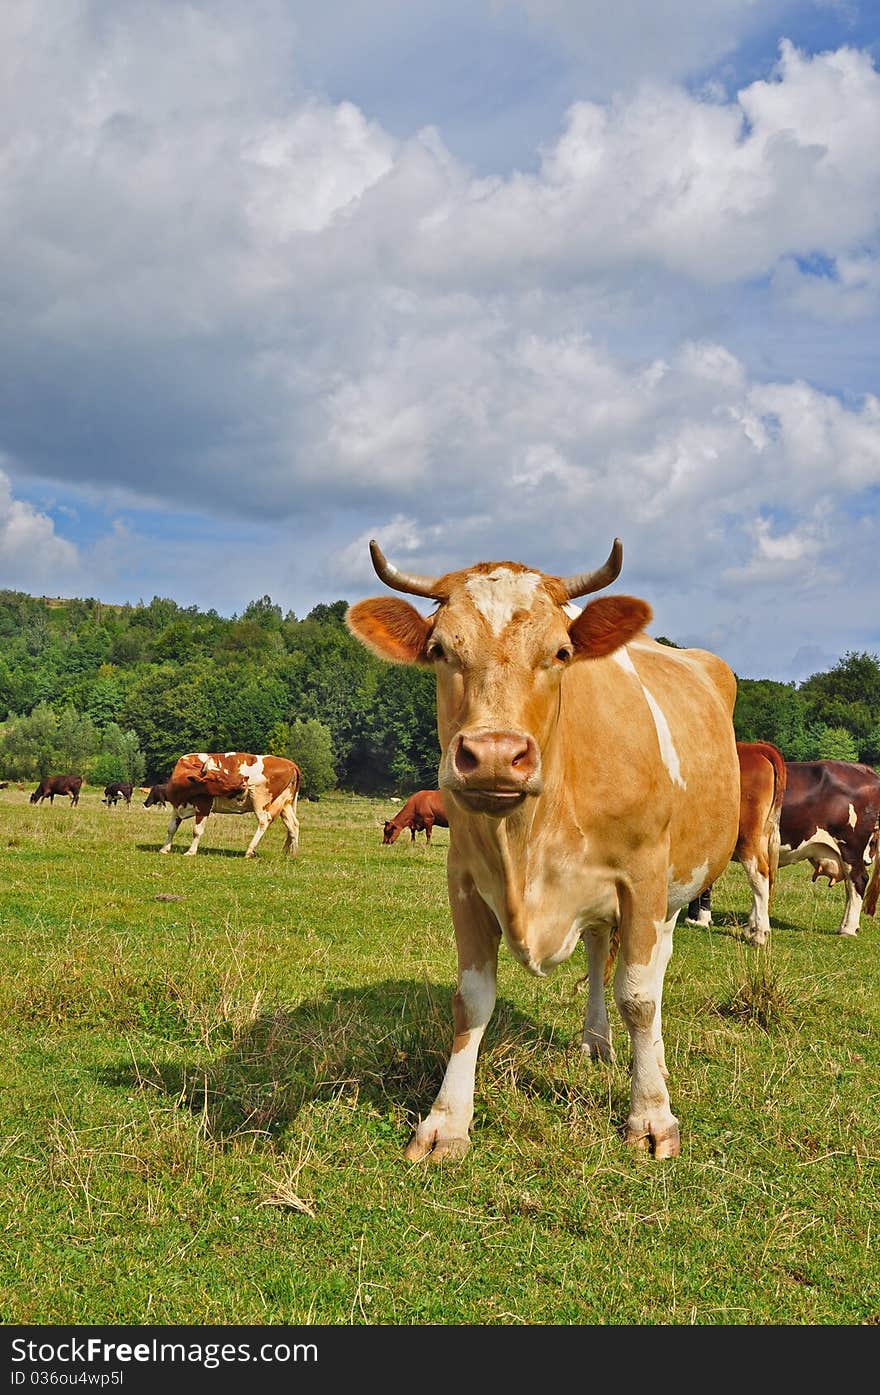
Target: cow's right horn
pixel 398 580
pixel 585 582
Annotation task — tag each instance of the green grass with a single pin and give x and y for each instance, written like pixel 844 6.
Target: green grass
pixel 211 1067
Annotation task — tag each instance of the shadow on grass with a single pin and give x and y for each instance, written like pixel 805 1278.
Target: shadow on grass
pixel 386 1045
pixel 179 851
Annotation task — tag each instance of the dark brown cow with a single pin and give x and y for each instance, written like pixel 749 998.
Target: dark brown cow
pixel 115 791
pixel 419 814
pixel 830 815
pixel 157 795
pixel 762 781
pixel 58 784
pixel 574 752
pixel 234 782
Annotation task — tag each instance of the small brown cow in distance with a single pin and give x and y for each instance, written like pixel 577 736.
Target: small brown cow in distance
pixel 419 814
pixel 58 784
pixel 157 795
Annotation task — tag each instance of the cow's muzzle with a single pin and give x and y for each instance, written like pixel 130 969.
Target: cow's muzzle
pixel 493 772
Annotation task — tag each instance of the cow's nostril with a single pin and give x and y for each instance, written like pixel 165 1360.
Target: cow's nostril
pixel 466 759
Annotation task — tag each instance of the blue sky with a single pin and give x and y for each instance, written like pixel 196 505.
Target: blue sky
pixel 485 279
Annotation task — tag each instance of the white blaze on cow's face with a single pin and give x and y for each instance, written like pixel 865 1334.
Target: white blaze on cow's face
pixel 499 646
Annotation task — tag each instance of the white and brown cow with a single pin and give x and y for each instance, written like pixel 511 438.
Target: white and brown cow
pixel 233 782
pixel 574 751
pixel 762 782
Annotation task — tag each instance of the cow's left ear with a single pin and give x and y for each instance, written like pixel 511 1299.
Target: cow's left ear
pixel 606 624
pixel 393 629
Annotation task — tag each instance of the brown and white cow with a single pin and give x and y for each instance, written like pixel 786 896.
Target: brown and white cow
pixel 116 790
pixel 421 812
pixel 233 782
pixel 762 781
pixel 829 817
pixel 574 750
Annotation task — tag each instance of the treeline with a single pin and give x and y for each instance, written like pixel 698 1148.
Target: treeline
pixel 117 692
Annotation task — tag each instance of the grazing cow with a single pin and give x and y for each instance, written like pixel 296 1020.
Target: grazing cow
pixel 831 818
pixel 419 814
pixel 156 795
pixel 233 782
pixel 58 784
pixel 762 781
pixel 115 791
pixel 574 750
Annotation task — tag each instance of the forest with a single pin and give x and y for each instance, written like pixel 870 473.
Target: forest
pixel 120 691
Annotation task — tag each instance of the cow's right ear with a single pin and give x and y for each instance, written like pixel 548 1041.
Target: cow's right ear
pixel 393 629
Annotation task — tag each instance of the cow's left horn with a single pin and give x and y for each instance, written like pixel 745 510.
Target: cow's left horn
pixel 585 582
pixel 398 580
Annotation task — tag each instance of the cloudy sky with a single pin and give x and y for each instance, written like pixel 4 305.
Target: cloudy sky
pixel 484 279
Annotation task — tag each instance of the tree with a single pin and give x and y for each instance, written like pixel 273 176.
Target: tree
pixel 310 744
pixel 836 743
pixel 120 758
pixel 27 746
pixel 848 697
pixel 76 740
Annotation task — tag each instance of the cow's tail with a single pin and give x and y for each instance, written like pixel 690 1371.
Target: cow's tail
pixel 869 905
pixel 780 775
pixel 289 795
pixel 613 947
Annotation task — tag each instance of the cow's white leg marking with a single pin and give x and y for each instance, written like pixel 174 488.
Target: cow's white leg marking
pixel 263 821
pixel 173 824
pixel 664 954
pixel 759 915
pixel 596 1034
pixel 198 830
pixel 853 909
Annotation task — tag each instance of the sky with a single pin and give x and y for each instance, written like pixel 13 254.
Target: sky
pixel 486 280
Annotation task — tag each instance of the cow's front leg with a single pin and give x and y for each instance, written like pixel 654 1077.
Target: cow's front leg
pixel 446 1131
pixel 263 822
pixel 855 889
pixel 173 824
pixel 645 949
pixel 203 809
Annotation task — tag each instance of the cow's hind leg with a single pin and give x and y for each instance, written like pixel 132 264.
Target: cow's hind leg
pixel 699 912
pixel 596 1034
pixel 757 869
pixel 446 1131
pixel 291 823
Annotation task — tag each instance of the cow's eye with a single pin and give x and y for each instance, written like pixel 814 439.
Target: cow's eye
pixel 563 655
pixel 435 651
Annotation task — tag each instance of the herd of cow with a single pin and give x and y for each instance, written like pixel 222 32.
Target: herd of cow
pixel 593 788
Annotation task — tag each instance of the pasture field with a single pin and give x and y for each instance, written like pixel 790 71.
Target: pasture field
pixel 211 1067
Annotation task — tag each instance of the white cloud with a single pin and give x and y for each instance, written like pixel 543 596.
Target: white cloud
pixel 32 555
pixel 231 295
